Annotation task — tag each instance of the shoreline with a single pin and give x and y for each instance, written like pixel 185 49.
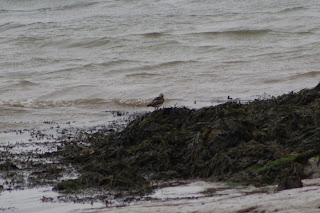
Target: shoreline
pixel 195 196
pixel 149 151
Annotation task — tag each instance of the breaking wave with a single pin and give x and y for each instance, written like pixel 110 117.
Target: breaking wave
pixel 131 102
pixel 33 103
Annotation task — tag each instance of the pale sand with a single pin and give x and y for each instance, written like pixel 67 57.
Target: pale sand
pixel 218 198
pixel 305 199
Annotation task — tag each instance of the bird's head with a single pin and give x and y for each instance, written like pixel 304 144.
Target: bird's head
pixel 161 95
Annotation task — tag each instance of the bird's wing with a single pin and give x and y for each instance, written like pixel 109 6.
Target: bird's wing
pixel 157 99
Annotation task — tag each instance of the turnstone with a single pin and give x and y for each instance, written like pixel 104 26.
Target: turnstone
pixel 157 102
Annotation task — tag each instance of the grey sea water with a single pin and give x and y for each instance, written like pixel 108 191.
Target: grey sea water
pixel 73 60
pixel 73 63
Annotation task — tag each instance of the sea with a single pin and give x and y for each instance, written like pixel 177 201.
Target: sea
pixel 79 60
pixel 74 63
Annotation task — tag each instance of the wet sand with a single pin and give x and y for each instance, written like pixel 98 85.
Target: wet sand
pixel 243 199
pixel 31 166
pixel 198 196
pixel 191 196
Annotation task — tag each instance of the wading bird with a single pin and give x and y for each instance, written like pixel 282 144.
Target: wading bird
pixel 157 102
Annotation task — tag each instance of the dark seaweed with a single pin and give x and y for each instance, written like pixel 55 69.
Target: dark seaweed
pixel 261 142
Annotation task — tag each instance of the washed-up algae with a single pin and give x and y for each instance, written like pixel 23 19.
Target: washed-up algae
pixel 261 142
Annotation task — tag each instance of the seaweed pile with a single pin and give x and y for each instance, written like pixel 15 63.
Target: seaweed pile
pixel 261 142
